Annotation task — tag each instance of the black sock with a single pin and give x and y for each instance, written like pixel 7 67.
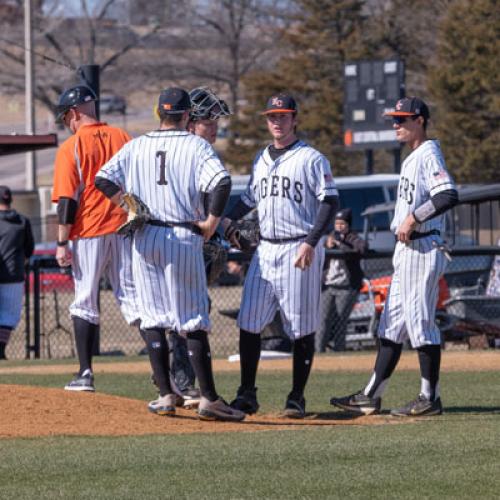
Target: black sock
pixel 5 332
pixel 249 358
pixel 303 354
pixel 158 356
pixel 429 357
pixel 201 361
pixel 387 358
pixel 85 334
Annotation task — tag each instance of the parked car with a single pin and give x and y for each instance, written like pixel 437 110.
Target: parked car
pixel 112 104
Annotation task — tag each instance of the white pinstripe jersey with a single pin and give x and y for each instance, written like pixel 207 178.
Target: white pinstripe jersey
pixel 144 166
pixel 423 175
pixel 287 192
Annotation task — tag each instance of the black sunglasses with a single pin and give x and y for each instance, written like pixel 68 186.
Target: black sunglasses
pixel 401 119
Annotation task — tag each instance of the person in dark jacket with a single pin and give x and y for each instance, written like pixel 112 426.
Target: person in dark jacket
pixel 16 245
pixel 341 283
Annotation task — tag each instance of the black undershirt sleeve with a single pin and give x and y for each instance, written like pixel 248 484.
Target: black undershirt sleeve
pixel 445 200
pixel 219 196
pixel 326 213
pixel 66 210
pixel 106 187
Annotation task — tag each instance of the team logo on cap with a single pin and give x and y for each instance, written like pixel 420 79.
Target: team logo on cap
pixel 277 102
pixel 399 105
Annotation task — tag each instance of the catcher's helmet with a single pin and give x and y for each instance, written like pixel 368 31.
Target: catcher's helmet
pixel 206 105
pixel 72 97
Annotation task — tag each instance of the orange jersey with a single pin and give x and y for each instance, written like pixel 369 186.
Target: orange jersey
pixel 77 162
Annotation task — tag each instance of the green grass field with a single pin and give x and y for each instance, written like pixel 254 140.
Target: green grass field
pixel 456 455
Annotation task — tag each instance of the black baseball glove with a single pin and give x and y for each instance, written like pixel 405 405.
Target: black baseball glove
pixel 138 214
pixel 245 232
pixel 215 257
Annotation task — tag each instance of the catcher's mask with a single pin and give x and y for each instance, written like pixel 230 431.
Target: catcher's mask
pixel 206 105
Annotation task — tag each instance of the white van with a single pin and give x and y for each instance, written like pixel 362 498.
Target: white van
pixel 355 192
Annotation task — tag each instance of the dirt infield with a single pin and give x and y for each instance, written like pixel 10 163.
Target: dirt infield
pixel 33 411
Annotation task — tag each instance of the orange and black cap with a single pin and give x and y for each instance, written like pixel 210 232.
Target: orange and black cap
pixel 173 101
pixel 280 103
pixel 410 106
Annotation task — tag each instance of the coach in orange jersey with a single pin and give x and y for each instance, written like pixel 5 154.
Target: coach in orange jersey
pixel 89 220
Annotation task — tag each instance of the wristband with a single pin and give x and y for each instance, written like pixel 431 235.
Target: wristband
pixel 62 243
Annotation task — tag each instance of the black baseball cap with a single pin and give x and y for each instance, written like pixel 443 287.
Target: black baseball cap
pixel 280 103
pixel 410 106
pixel 344 214
pixel 173 101
pixel 5 195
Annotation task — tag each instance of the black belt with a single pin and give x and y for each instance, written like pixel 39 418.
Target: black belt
pixel 277 241
pixel 187 225
pixel 416 235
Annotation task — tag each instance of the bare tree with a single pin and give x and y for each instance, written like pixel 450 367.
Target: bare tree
pixel 228 39
pixel 63 42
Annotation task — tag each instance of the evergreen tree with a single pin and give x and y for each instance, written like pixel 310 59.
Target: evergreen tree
pixel 324 35
pixel 466 87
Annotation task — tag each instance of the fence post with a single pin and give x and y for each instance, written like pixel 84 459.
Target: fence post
pixel 36 304
pixel 27 316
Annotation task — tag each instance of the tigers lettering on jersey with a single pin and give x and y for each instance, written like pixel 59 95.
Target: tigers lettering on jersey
pixel 406 190
pixel 282 186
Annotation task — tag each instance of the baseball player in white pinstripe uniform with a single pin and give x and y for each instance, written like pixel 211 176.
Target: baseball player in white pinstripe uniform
pixel 295 195
pixel 168 169
pixel 426 190
pixel 204 116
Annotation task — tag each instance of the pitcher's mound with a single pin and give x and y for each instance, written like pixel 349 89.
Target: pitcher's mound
pixel 36 411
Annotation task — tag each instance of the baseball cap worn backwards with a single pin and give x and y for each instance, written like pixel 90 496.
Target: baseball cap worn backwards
pixel 280 103
pixel 173 101
pixel 410 106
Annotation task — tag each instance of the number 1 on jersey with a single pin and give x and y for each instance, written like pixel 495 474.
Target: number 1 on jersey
pixel 162 181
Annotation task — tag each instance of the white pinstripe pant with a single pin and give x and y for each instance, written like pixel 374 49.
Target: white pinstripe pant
pixel 93 258
pixel 170 277
pixel 410 308
pixel 273 283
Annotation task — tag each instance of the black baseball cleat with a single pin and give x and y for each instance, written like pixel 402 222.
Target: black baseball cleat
pixel 419 407
pixel 246 401
pixel 294 407
pixel 358 404
pixel 82 383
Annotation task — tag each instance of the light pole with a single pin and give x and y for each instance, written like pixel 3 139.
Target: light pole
pixel 30 169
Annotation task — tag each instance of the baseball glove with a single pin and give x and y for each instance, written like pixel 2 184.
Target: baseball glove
pixel 215 256
pixel 246 232
pixel 138 214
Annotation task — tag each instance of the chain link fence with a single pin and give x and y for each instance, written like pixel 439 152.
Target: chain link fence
pixel 468 307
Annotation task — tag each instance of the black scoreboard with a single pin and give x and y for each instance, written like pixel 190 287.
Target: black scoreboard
pixel 370 89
